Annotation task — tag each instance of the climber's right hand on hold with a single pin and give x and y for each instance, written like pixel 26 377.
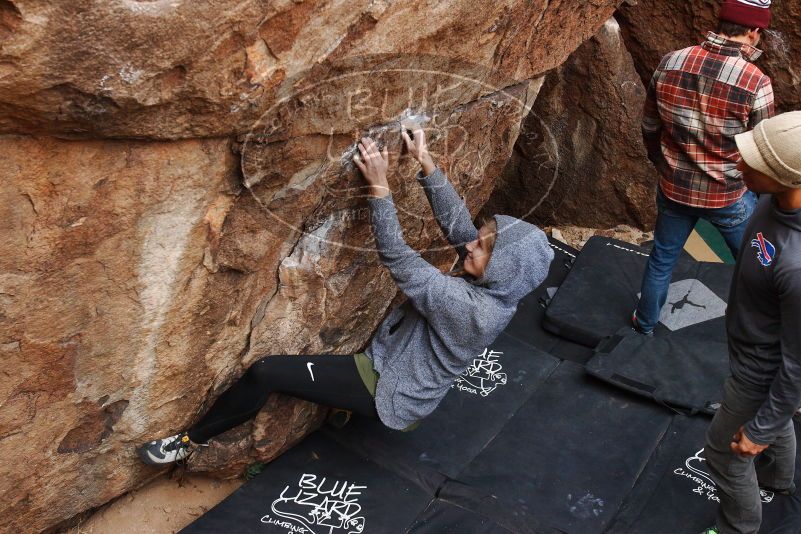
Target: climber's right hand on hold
pixel 418 149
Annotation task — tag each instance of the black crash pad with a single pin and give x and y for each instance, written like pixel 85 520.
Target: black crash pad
pixel 685 371
pixel 569 456
pixel 526 325
pixel 442 517
pixel 601 291
pixel 503 512
pixel 675 494
pixel 318 487
pixel 503 376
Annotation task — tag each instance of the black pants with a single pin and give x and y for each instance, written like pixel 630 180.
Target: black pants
pixel 329 380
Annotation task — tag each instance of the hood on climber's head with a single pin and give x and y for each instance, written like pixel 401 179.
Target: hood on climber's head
pixel 511 257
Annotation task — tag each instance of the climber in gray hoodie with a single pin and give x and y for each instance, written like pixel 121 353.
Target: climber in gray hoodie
pixel 422 346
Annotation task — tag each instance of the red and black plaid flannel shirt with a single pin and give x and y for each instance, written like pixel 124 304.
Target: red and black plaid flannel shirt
pixel 698 100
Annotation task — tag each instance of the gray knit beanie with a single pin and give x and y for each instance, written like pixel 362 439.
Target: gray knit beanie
pixel 774 148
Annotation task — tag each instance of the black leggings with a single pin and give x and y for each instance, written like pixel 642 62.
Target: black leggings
pixel 329 380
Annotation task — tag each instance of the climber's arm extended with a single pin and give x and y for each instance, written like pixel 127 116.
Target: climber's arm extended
pixel 449 209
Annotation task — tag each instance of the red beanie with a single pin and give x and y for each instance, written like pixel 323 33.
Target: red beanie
pixel 748 13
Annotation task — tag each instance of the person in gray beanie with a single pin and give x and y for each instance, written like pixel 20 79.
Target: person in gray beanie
pixel 763 322
pixel 422 346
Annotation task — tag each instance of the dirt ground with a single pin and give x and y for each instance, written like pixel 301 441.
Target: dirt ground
pixel 162 507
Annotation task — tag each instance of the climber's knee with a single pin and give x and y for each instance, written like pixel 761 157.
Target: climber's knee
pixel 261 370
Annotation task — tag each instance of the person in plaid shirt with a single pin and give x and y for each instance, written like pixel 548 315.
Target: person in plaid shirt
pixel 700 98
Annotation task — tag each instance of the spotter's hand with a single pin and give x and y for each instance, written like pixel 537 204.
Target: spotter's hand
pixel 744 446
pixel 373 165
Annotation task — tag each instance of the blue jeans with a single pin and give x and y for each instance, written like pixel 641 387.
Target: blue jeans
pixel 674 224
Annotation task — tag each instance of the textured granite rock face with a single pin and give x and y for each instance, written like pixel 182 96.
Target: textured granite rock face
pixel 580 158
pixel 652 28
pixel 204 213
pixel 102 263
pixel 172 69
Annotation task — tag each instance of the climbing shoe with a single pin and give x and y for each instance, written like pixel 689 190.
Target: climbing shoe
pixel 635 324
pixel 711 530
pixel 167 450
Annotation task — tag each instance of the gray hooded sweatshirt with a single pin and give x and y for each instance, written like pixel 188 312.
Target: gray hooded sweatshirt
pixel 425 344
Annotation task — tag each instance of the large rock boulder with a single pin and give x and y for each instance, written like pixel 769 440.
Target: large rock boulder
pixel 140 277
pixel 107 312
pixel 652 28
pixel 175 68
pixel 580 158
